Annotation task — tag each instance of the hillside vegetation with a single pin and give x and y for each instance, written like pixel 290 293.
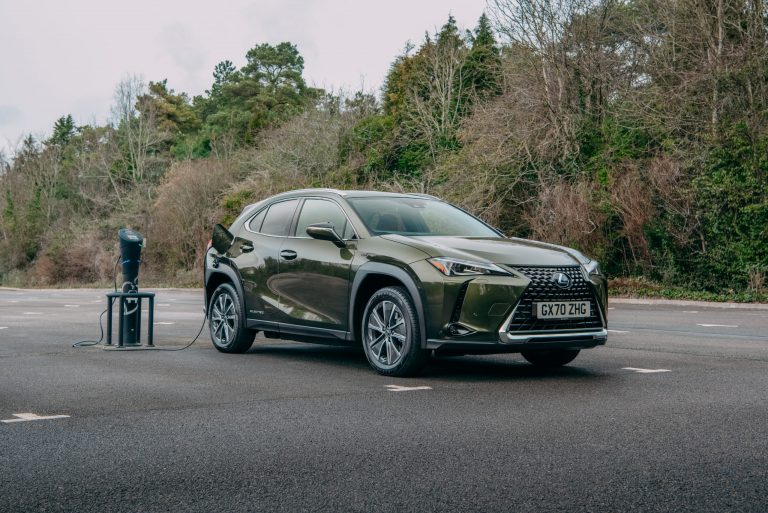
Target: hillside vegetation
pixel 636 131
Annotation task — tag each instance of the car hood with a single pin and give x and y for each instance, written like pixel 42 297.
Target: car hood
pixel 511 252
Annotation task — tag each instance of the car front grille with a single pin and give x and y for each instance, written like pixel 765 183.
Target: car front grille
pixel 542 288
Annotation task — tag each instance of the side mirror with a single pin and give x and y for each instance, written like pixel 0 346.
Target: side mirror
pixel 221 239
pixel 325 231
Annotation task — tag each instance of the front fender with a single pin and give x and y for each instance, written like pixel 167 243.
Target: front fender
pixel 411 283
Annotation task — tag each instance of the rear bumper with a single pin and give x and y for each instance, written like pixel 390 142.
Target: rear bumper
pixel 515 343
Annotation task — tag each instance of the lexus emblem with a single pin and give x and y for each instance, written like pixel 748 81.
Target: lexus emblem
pixel 562 280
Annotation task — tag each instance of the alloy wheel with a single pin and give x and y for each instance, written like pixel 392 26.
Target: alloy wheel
pixel 223 319
pixel 386 333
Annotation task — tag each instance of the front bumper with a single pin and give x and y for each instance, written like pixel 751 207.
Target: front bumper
pixel 493 314
pixel 515 343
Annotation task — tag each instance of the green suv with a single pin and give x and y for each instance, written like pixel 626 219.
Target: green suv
pixel 404 275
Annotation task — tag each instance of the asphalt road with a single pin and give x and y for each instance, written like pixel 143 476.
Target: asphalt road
pixel 296 427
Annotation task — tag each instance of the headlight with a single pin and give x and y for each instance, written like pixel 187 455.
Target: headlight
pixel 592 268
pixel 456 267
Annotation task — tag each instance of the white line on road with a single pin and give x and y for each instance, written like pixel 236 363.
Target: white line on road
pixel 611 308
pixel 717 325
pixel 72 306
pixel 3 327
pixel 645 371
pixel 398 388
pixel 163 304
pixel 690 311
pixel 26 417
pixel 617 331
pixel 33 313
pixel 165 323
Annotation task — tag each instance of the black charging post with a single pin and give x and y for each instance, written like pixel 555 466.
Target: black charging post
pixel 129 298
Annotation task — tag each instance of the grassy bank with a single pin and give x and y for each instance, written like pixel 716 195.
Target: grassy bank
pixel 642 288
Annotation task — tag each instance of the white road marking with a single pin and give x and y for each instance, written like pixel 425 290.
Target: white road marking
pixel 617 331
pixel 97 301
pixel 72 306
pixel 163 304
pixel 398 388
pixel 33 313
pixel 611 308
pixel 13 300
pixel 690 311
pixel 717 325
pixel 3 327
pixel 645 371
pixel 165 323
pixel 25 417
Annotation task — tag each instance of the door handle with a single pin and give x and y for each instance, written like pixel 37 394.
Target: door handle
pixel 288 254
pixel 246 247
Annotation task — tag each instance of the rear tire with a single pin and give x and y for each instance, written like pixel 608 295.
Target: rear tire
pixel 390 333
pixel 551 359
pixel 225 320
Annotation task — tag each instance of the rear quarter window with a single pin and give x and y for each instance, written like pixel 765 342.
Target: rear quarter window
pixel 255 224
pixel 278 218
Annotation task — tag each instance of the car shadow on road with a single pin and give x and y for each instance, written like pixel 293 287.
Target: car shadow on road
pixel 507 367
pixel 501 367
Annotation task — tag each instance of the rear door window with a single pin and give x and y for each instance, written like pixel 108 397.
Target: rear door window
pixel 278 218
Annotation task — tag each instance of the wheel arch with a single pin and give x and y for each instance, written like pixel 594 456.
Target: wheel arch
pixel 375 276
pixel 224 274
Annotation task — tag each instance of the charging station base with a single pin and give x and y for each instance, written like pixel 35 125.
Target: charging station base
pixel 123 298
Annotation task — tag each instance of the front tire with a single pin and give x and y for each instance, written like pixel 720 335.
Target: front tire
pixel 390 333
pixel 551 359
pixel 225 320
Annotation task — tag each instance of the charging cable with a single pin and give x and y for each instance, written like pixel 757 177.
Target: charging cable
pixel 90 343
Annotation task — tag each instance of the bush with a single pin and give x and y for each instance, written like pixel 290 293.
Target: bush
pixel 184 213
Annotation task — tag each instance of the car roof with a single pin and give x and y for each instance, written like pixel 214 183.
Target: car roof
pixel 354 193
pixel 250 209
pixel 342 193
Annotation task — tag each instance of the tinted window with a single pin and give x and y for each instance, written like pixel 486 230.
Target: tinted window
pixel 278 218
pixel 417 216
pixel 255 224
pixel 323 211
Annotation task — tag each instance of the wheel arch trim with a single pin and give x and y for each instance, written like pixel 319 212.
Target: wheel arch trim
pixel 391 271
pixel 226 270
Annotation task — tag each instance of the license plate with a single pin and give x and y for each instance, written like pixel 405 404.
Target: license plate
pixel 562 309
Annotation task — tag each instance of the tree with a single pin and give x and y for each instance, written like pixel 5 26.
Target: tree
pixel 438 97
pixel 276 68
pixel 63 130
pixel 269 89
pixel 137 129
pixel 173 112
pixel 483 67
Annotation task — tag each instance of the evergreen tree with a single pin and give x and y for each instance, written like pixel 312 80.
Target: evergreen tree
pixel 483 67
pixel 64 130
pixel 173 112
pixel 267 90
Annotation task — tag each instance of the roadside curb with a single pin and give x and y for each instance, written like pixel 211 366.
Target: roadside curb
pixel 103 289
pixel 681 302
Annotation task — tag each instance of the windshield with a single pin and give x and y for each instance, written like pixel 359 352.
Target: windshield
pixel 417 216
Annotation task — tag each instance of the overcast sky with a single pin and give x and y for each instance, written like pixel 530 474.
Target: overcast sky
pixel 66 56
